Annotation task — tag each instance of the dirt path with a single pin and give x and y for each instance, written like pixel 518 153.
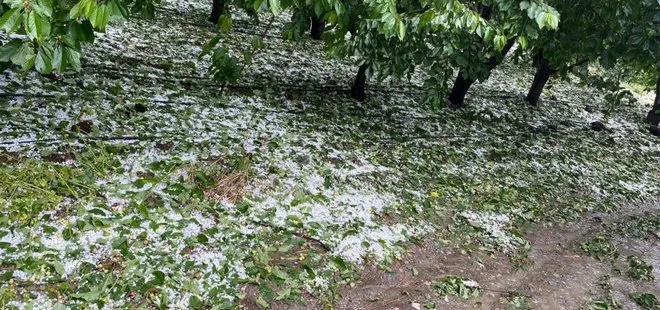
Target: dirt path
pixel 561 276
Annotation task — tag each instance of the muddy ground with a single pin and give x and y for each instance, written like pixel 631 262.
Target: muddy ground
pixel 559 276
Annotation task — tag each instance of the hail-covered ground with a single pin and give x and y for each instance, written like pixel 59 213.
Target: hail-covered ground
pixel 137 183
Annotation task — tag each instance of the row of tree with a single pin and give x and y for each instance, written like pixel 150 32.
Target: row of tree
pixel 392 38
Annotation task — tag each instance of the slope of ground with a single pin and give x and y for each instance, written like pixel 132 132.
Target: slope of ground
pixel 137 184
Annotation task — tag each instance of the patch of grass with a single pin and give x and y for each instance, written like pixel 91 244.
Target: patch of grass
pixel 646 301
pixel 639 269
pixel 35 186
pixel 600 248
pixel 457 286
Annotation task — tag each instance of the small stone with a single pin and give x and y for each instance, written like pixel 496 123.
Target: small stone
pixel 590 109
pixel 598 126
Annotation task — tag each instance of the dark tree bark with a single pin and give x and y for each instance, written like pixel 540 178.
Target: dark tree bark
pixel 543 73
pixel 357 91
pixel 462 84
pixel 653 117
pixel 459 90
pixel 318 26
pixel 217 10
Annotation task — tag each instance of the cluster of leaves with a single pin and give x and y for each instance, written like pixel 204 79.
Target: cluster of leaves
pixel 639 269
pixel 457 286
pixel 51 33
pixel 517 301
pixel 600 248
pixel 396 37
pixel 646 301
pixel 35 187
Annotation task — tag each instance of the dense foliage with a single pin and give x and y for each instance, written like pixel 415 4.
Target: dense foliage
pixel 391 39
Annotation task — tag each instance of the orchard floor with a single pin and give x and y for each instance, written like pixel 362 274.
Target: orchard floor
pixel 136 183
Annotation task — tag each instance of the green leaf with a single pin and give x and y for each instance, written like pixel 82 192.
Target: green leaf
pixel 401 29
pixel 524 5
pixel 96 16
pixel 340 262
pixel 275 6
pixel 257 43
pixel 9 51
pixel 89 8
pixel 11 20
pixel 36 27
pixel 262 303
pixel 159 277
pixel 284 294
pixel 76 10
pixel 72 58
pixel 83 31
pixel 500 42
pixel 42 8
pixel 89 296
pixel 122 9
pixel 30 59
pixel 540 19
pixel 194 302
pixel 31 25
pixel 103 15
pixel 225 23
pixel 551 21
pixel 59 268
pixel 209 46
pixel 339 8
pixel 257 5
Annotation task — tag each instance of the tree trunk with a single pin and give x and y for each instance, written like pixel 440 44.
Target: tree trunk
pixel 357 91
pixel 318 26
pixel 462 84
pixel 543 72
pixel 653 117
pixel 459 90
pixel 217 10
